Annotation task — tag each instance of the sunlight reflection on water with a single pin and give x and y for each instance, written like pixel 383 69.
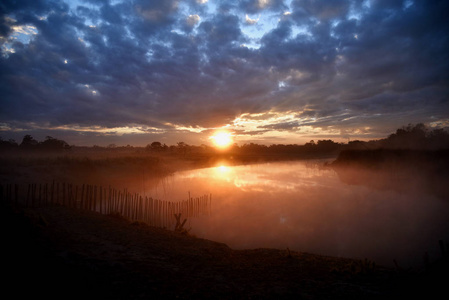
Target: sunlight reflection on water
pixel 304 207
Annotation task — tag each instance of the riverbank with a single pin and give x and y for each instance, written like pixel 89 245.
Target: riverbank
pixel 56 252
pixel 412 171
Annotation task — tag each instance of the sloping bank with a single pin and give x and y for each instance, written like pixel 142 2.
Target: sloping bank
pixel 60 253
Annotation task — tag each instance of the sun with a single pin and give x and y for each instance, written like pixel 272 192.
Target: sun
pixel 222 139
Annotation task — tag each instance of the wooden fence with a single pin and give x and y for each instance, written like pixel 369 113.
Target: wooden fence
pixel 106 201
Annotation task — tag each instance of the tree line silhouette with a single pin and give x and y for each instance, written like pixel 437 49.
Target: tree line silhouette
pixel 414 137
pixel 30 144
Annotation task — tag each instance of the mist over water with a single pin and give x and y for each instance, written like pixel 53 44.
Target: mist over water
pixel 305 207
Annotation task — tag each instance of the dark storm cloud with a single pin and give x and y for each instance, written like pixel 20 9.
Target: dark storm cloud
pixel 398 52
pixel 384 51
pixel 156 63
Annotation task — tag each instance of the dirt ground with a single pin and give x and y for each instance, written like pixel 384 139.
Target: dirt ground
pixel 60 253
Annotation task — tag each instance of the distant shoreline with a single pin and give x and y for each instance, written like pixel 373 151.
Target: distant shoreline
pixel 397 169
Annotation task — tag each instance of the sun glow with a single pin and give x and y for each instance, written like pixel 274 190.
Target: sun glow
pixel 223 172
pixel 223 169
pixel 222 139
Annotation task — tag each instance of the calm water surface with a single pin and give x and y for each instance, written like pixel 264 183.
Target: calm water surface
pixel 305 207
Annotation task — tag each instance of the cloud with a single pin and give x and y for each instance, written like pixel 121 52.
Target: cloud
pixel 139 63
pixel 192 20
pixel 250 21
pixel 256 6
pixel 322 9
pixel 155 11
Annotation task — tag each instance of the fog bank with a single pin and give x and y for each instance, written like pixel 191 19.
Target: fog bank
pixel 305 207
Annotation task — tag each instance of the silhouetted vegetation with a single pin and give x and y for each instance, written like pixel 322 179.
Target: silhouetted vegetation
pixel 411 154
pixel 417 137
pixel 8 145
pixel 52 144
pixel 158 159
pixel 409 145
pixel 30 144
pixel 414 137
pixel 156 147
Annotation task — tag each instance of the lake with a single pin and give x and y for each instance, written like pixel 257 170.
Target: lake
pixel 305 207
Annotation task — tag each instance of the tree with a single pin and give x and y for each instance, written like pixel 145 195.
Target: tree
pixel 409 137
pixel 156 146
pixel 8 145
pixel 327 145
pixel 28 143
pixel 182 147
pixel 52 144
pixel 439 139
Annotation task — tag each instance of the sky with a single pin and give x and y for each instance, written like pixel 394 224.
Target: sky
pixel 130 72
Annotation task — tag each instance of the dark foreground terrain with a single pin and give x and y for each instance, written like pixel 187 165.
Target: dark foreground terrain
pixel 60 253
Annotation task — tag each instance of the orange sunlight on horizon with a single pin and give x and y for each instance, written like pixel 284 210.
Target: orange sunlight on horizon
pixel 222 139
